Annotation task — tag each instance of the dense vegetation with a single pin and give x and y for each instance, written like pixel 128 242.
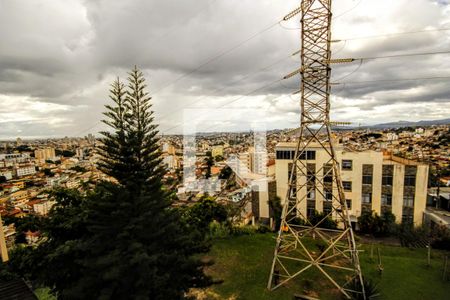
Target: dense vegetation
pixel 123 239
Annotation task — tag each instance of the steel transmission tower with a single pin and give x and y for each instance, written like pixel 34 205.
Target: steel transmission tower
pixel 304 249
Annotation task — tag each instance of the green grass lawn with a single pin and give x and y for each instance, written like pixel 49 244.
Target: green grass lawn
pixel 244 262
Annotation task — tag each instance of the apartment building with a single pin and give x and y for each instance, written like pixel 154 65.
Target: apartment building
pixel 45 154
pixel 9 159
pixel 372 181
pixel 253 161
pixel 7 173
pixel 24 170
pixel 217 151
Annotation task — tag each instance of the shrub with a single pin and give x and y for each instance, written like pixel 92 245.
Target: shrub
pixel 372 223
pixel 328 222
pixel 219 230
pixel 263 229
pixel 243 230
pixel 276 209
pixel 371 290
pixel 411 236
pixel 440 238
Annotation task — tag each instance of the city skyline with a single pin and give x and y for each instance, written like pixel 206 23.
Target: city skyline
pixel 59 60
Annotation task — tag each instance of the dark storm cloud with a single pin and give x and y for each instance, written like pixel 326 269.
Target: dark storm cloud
pixel 67 53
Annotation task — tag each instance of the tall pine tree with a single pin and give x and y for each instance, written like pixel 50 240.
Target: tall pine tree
pixel 123 240
pixel 113 150
pixel 138 247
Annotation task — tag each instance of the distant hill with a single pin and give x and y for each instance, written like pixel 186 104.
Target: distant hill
pixel 410 124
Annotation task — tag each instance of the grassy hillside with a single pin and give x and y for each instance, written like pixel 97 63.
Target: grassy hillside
pixel 243 263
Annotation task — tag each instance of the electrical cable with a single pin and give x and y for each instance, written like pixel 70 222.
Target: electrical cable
pixel 288 28
pixel 347 11
pixel 362 59
pixel 347 39
pixel 353 72
pixel 215 126
pixel 404 55
pixel 394 80
pixel 212 59
pixel 227 85
pixel 230 102
pixel 216 57
pixel 393 34
pixel 338 16
pixel 167 33
pixel 340 49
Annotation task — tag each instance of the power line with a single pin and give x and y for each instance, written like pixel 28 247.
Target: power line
pixel 168 32
pixel 230 102
pixel 273 25
pixel 212 59
pixel 393 80
pixel 403 55
pixel 298 10
pixel 225 87
pixel 216 125
pixel 353 72
pixel 392 34
pixel 216 57
pixel 361 61
pixel 347 11
pixel 208 62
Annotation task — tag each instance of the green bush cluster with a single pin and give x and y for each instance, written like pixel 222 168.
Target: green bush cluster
pixel 372 223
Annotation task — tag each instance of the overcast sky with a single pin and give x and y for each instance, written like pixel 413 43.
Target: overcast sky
pixel 57 59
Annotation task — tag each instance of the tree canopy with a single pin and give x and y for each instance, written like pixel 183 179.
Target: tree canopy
pixel 123 239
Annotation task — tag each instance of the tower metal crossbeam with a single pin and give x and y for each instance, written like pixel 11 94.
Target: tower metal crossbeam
pixel 297 251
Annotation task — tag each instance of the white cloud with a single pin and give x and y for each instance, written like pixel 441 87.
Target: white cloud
pixel 58 58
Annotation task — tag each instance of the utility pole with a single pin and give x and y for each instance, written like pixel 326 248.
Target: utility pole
pixel 296 251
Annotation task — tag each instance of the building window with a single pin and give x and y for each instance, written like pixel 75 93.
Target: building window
pixel 327 174
pixel 292 193
pixel 349 204
pixel 366 208
pixel 347 186
pixel 310 155
pixel 386 179
pixel 290 154
pixel 311 174
pixel 281 154
pixel 386 199
pixel 410 180
pixel 328 196
pixel 407 219
pixel 366 198
pixel 290 172
pixel 408 201
pixel 327 210
pixel 311 195
pixel 347 164
pixel 328 179
pixel 367 179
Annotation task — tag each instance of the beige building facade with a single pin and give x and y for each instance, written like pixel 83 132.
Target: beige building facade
pixel 372 181
pixel 44 154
